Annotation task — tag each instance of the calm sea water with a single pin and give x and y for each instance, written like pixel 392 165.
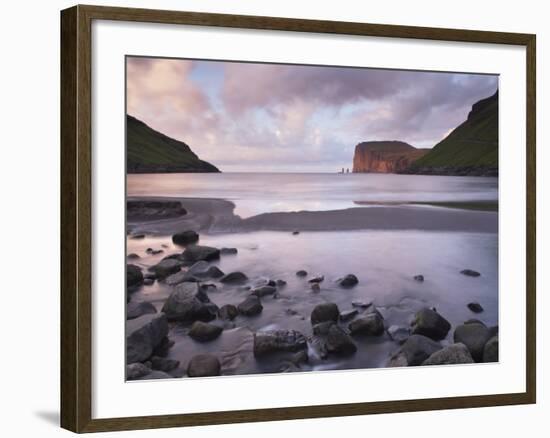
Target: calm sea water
pixel 255 193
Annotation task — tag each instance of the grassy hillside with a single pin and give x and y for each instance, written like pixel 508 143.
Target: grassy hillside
pixel 149 151
pixel 472 145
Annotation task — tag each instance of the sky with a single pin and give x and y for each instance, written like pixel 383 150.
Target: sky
pixel 278 117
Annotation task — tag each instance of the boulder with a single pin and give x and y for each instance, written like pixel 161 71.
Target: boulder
pixel 315 287
pixel 371 324
pixel 188 303
pixel 474 336
pixel 475 307
pixel 228 312
pixel 228 251
pixel 133 256
pixel 250 306
pixel 179 277
pixel 143 335
pixel 165 268
pixel 234 278
pixel 204 365
pixel 135 309
pixel 470 273
pixel 162 364
pixel 280 283
pixel 419 278
pixel 164 346
pixel 338 342
pixel 195 253
pixel 154 374
pixel 134 276
pixel 184 238
pixel 349 280
pixel 213 272
pixel 399 334
pixel 148 281
pixel 348 315
pixel 275 341
pixel 452 354
pixel 262 291
pixel 140 210
pixel 428 322
pixel 325 312
pixel 414 351
pixel 301 273
pixel 490 351
pixel 136 370
pixel 361 304
pixel 204 332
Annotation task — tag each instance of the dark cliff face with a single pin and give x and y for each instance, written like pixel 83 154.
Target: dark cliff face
pixel 384 156
pixel 149 151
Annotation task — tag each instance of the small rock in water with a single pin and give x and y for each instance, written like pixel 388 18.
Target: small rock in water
pixel 470 273
pixel 148 281
pixel 475 307
pixel 136 309
pixel 187 237
pixel 453 354
pixel 419 278
pixel 490 351
pixel 133 256
pixel 274 341
pixel 234 278
pixel 263 291
pixel 250 306
pixel 204 365
pixel 474 321
pixel 348 315
pixel 164 245
pixel 339 342
pixel 324 312
pixel 228 251
pixel 414 351
pixel 301 273
pixel 428 322
pixel 317 279
pixel 361 304
pixel 280 283
pixel 157 251
pixel 349 280
pixel 166 267
pixel 204 332
pixel 162 364
pixel 137 236
pixel 228 312
pixel 136 370
pixel 399 334
pixel 371 324
pixel 315 287
pixel 295 232
pixel 195 253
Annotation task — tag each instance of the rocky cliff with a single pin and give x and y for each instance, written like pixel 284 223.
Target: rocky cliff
pixel 385 156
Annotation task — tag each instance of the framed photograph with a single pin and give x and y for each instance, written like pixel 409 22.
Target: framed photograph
pixel 270 218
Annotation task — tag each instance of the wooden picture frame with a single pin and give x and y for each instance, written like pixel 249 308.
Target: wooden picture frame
pixel 76 217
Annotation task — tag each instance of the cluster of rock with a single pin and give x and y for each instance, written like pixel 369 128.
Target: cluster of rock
pixel 473 342
pixel 334 332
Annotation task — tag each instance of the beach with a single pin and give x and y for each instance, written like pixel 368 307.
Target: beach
pixel 387 245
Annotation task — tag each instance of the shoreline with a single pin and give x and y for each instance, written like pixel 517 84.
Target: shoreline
pixel 214 215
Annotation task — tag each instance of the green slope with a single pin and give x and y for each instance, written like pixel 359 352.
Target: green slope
pixel 473 145
pixel 384 146
pixel 149 151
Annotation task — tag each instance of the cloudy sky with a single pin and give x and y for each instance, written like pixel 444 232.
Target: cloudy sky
pixel 250 117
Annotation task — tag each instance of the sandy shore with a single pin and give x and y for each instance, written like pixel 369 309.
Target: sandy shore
pixel 217 216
